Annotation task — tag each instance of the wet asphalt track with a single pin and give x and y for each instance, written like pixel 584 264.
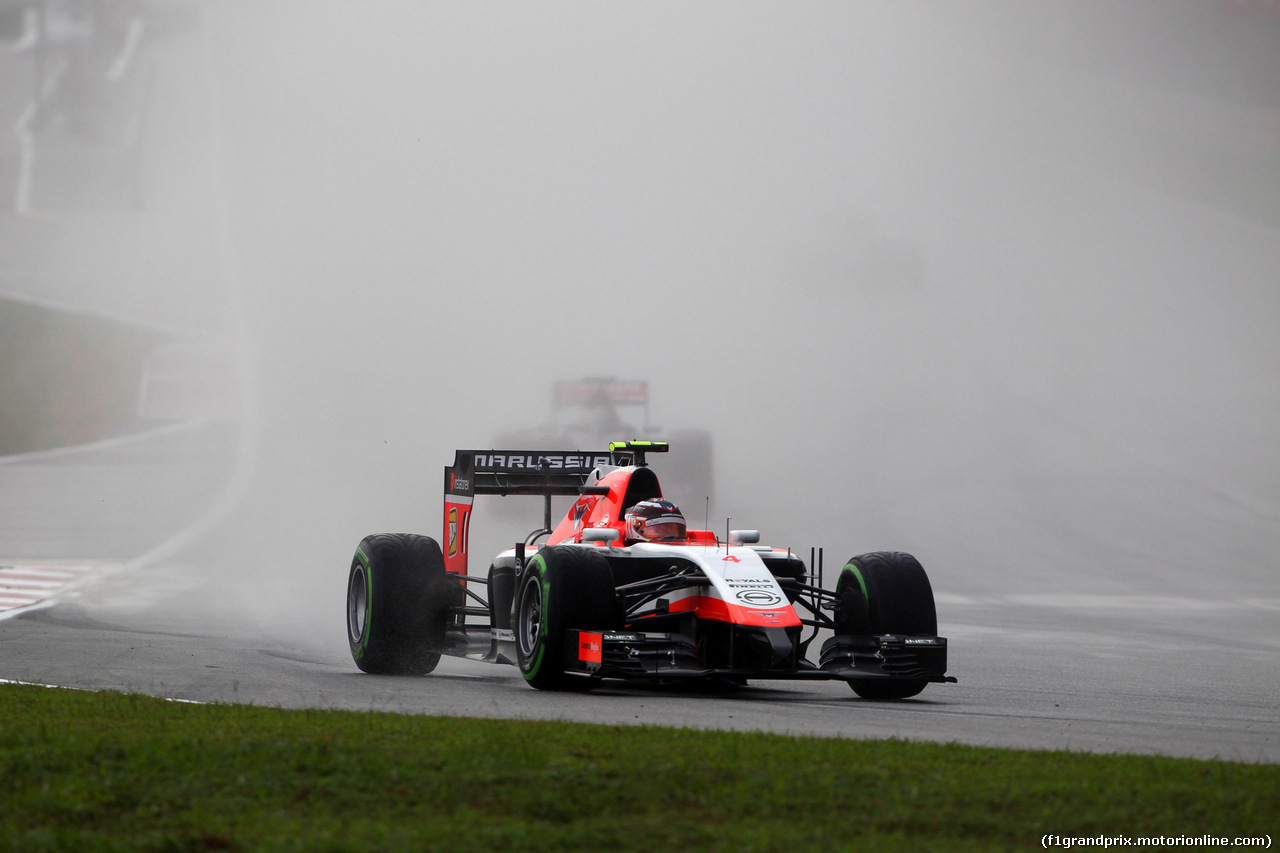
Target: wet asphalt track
pixel 1189 676
pixel 1200 690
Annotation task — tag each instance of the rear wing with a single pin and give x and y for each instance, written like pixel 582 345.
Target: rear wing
pixel 542 473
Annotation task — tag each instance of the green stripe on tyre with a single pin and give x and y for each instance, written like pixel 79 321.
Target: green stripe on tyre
pixel 368 599
pixel 539 566
pixel 857 574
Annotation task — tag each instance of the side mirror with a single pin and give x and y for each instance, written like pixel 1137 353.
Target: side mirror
pixel 744 537
pixel 600 534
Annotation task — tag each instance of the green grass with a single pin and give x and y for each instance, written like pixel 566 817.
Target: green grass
pixel 102 771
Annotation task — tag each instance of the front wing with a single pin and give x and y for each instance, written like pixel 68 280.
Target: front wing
pixel 670 656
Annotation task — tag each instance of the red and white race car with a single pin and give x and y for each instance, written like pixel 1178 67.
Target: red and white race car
pixel 621 588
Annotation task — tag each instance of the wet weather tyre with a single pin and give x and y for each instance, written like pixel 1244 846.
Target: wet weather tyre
pixel 397 604
pixel 561 588
pixel 886 592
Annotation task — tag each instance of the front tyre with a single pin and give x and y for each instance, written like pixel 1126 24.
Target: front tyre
pixel 561 588
pixel 397 604
pixel 886 592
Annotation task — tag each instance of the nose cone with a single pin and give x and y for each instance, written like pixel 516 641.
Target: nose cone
pixel 766 648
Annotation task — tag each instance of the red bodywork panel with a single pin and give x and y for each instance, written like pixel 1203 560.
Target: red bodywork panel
pixel 627 487
pixel 457 522
pixel 710 607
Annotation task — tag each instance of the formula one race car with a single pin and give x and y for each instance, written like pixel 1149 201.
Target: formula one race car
pixel 621 588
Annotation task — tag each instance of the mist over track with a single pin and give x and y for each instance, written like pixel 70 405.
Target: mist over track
pixel 990 284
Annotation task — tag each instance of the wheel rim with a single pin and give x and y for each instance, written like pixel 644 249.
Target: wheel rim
pixel 529 624
pixel 357 604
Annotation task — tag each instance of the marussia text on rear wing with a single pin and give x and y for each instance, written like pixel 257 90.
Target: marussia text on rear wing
pixel 544 473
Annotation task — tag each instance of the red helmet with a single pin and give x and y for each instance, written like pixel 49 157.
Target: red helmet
pixel 655 520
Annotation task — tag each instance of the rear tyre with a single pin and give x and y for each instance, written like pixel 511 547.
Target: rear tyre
pixel 561 588
pixel 886 592
pixel 397 604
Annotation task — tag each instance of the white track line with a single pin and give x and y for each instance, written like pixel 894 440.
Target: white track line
pixel 90 690
pixel 104 444
pixel 30 586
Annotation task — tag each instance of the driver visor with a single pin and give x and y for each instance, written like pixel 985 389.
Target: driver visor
pixel 664 528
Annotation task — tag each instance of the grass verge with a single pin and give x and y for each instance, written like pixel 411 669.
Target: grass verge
pixel 103 771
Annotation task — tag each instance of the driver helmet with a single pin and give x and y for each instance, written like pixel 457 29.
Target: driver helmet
pixel 655 520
